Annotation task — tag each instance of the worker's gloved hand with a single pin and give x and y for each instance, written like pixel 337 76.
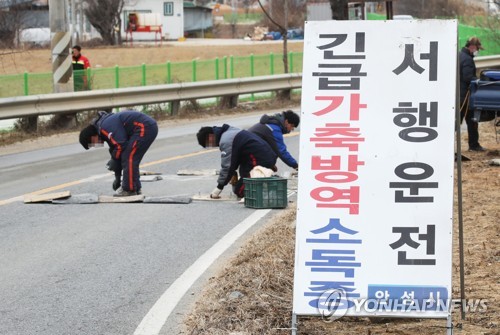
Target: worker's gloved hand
pixel 113 165
pixel 274 168
pixel 295 173
pixel 215 193
pixel 117 183
pixel 234 179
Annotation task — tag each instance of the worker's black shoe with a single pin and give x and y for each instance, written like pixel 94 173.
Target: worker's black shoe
pixel 477 148
pixel 122 193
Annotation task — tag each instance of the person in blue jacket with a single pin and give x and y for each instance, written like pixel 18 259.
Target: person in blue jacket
pixel 129 135
pixel 239 148
pixel 272 128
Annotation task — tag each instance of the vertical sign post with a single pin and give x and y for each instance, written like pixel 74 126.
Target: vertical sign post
pixel 60 46
pixel 375 201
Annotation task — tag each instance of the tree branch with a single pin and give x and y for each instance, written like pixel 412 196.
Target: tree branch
pixel 283 30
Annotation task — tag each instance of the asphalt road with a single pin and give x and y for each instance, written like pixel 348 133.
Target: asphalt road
pixel 100 268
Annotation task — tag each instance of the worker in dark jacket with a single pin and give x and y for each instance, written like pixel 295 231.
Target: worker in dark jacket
pixel 272 128
pixel 239 148
pixel 468 74
pixel 129 135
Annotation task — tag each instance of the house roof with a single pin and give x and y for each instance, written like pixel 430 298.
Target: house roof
pixel 189 4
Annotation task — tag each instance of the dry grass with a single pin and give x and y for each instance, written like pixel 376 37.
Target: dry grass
pixel 263 272
pixel 39 60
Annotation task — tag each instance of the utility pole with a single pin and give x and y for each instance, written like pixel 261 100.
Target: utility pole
pixel 60 46
pixel 62 70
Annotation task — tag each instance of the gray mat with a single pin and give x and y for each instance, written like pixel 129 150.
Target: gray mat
pixel 167 200
pixel 85 198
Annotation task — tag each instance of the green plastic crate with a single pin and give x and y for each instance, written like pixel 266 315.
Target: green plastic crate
pixel 265 192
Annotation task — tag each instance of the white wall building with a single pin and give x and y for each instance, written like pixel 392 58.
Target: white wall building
pixel 171 16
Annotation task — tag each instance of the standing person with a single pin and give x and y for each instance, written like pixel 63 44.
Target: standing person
pixel 80 63
pixel 272 128
pixel 468 74
pixel 129 135
pixel 239 148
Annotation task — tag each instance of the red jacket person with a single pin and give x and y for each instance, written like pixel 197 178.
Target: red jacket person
pixel 129 135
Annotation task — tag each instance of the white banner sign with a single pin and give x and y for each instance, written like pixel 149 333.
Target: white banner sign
pixel 375 201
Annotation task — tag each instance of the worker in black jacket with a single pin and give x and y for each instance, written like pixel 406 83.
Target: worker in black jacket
pixel 239 148
pixel 129 135
pixel 468 74
pixel 272 128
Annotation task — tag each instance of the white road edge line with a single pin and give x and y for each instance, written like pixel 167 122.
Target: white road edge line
pixel 157 316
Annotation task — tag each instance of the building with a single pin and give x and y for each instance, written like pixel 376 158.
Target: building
pixel 169 15
pixel 197 19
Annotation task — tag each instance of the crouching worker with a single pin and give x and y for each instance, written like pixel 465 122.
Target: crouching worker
pixel 239 148
pixel 129 135
pixel 272 128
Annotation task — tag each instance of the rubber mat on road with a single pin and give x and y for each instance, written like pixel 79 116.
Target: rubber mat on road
pixel 148 173
pixel 120 200
pixel 167 200
pixel 206 197
pixel 151 178
pixel 206 172
pixel 84 198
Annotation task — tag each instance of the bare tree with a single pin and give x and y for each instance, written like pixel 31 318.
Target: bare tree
pixel 492 22
pixel 280 15
pixel 12 21
pixel 339 9
pixel 283 28
pixel 246 5
pixel 470 13
pixel 104 15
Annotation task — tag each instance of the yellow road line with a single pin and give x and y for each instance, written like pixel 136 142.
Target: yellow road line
pixel 76 182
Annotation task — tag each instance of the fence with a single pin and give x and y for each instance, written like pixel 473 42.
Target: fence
pixel 68 102
pixel 168 73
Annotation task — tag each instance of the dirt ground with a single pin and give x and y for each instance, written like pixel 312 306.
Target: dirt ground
pixel 39 60
pixel 262 271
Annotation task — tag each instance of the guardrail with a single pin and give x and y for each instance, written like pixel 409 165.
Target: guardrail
pixel 57 103
pixel 484 62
